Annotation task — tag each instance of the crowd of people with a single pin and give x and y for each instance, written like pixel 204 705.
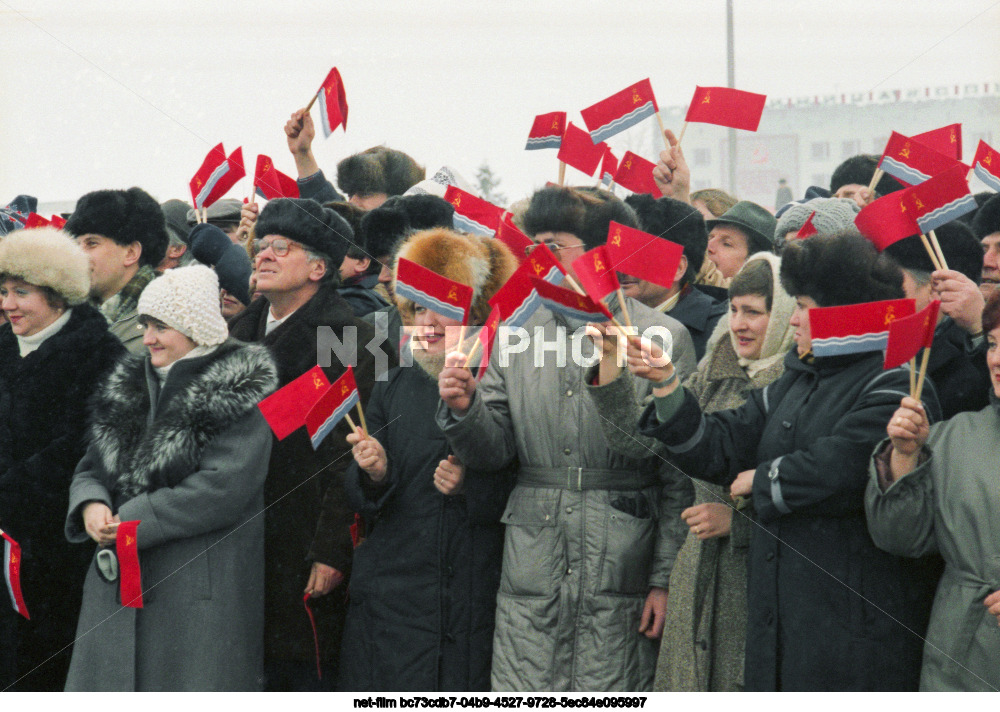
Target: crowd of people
pixel 720 510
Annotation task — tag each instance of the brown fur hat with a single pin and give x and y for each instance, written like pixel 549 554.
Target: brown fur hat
pixel 378 170
pixel 478 262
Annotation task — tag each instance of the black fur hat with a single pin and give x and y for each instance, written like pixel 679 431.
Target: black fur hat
pixel 378 170
pixel 675 221
pixel 307 222
pixel 384 227
pixel 839 269
pixel 961 249
pixel 987 220
pixel 584 212
pixel 859 170
pixel 125 216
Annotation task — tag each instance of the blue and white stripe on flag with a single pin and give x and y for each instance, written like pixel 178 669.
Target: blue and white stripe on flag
pixel 853 344
pixel 335 417
pixel 463 223
pixel 220 170
pixel 902 171
pixel 946 213
pixel 986 177
pixel 638 114
pixel 426 300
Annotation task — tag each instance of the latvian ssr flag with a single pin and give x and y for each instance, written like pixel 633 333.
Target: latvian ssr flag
pixel 807 229
pixel 946 140
pixel 986 166
pixel 58 222
pixel 35 220
pixel 285 410
pixel 432 291
pixel 332 406
pixel 509 234
pixel 909 334
pixel 609 166
pixel 216 176
pixel 620 111
pixel 546 131
pixel 855 328
pixel 942 198
pixel 487 337
pixel 579 151
pixel 270 183
pixel 596 273
pixel 473 214
pixel 912 162
pixel 517 299
pixel 12 573
pixel 569 303
pixel 332 103
pixel 129 575
pixel 636 173
pixel 641 255
pixel 887 220
pixel 726 107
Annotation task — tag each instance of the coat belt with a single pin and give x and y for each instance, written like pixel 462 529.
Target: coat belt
pixel 585 478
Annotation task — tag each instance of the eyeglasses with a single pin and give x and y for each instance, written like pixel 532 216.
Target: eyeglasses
pixel 553 246
pixel 278 245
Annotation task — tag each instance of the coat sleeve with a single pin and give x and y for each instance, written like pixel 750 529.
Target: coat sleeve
pixel 88 485
pixel 676 495
pixel 901 516
pixel 319 189
pixel 619 404
pixel 231 474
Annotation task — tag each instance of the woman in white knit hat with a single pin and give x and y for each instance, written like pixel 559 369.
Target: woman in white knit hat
pixel 178 443
pixel 54 352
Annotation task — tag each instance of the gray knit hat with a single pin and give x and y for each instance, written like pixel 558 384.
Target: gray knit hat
pixel 832 215
pixel 187 299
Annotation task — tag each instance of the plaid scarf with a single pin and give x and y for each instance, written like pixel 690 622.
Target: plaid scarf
pixel 124 304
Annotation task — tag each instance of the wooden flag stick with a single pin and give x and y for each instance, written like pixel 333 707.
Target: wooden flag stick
pixel 681 137
pixel 472 352
pixel 253 194
pixel 875 179
pixel 354 428
pixel 663 131
pixel 913 377
pixel 930 251
pixel 204 214
pixel 937 248
pixel 562 173
pixel 621 303
pixel 576 287
pixel 361 414
pixel 311 102
pixel 923 372
pixel 461 338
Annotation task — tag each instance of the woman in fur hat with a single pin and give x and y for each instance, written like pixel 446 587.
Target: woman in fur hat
pixel 424 581
pixel 178 443
pixel 54 351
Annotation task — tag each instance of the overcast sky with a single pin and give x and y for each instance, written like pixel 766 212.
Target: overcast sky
pixel 117 93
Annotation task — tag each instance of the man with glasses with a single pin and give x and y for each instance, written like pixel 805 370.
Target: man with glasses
pixel 308 537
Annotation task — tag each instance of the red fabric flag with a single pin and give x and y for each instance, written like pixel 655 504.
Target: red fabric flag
pixel 570 303
pixel 216 176
pixel 332 103
pixel 546 131
pixel 579 151
pixel 620 111
pixel 941 199
pixel 986 166
pixel 596 273
pixel 642 255
pixel 912 162
pixel 807 229
pixel 432 291
pixel 129 575
pixel 12 573
pixel 487 337
pixel 909 334
pixel 636 174
pixel 35 220
pixel 270 183
pixel 726 107
pixel 510 235
pixel 517 299
pixel 58 222
pixel 609 166
pixel 887 220
pixel 855 328
pixel 473 214
pixel 285 410
pixel 946 140
pixel 332 406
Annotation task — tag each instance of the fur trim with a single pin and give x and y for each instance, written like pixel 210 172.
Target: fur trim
pixel 142 458
pixel 305 221
pixel 583 212
pixel 479 262
pixel 125 216
pixel 47 257
pixel 378 170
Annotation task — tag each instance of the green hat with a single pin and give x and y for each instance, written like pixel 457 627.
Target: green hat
pixel 755 221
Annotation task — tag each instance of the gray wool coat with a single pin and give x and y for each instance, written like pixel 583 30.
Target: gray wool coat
pixel 577 564
pixel 950 504
pixel 188 460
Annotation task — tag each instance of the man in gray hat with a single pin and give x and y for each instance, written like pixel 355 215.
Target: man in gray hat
pixel 224 214
pixel 739 232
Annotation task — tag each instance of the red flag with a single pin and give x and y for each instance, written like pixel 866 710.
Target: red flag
pixel 726 107
pixel 946 140
pixel 887 220
pixel 546 131
pixel 912 162
pixel 620 111
pixel 473 214
pixel 12 573
pixel 487 337
pixel 35 220
pixel 510 235
pixel 517 299
pixel 855 328
pixel 941 199
pixel 570 303
pixel 909 334
pixel 579 151
pixel 596 274
pixel 432 291
pixel 331 407
pixel 807 229
pixel 642 255
pixel 986 166
pixel 58 222
pixel 216 176
pixel 270 183
pixel 285 410
pixel 332 103
pixel 129 575
pixel 636 174
pixel 609 166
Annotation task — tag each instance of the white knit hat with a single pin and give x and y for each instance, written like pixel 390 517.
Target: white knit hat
pixel 187 299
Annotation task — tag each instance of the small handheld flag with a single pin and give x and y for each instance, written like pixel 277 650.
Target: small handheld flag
pixel 912 162
pixel 473 214
pixel 432 291
pixel 12 573
pixel 807 229
pixel 723 106
pixel 609 166
pixel 216 175
pixel 946 140
pixel 887 220
pixel 570 303
pixel 909 334
pixel 35 220
pixel 517 299
pixel 596 273
pixel 855 328
pixel 636 173
pixel 941 199
pixel 333 405
pixel 285 410
pixel 641 255
pixel 58 222
pixel 546 131
pixel 620 111
pixel 579 151
pixel 510 235
pixel 332 103
pixel 986 166
pixel 270 183
pixel 129 577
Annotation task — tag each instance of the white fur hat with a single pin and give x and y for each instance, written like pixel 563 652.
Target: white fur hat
pixel 47 257
pixel 187 299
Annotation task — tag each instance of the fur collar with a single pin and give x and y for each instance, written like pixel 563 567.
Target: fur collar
pixel 201 398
